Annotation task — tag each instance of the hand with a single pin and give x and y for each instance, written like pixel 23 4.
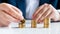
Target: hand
pixel 9 13
pixel 44 11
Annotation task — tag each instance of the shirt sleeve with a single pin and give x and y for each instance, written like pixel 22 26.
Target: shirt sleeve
pixel 58 10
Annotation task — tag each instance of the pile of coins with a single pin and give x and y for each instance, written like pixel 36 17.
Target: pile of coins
pixel 46 22
pixel 22 24
pixel 34 23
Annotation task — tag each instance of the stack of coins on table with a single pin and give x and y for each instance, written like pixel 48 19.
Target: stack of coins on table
pixel 22 24
pixel 33 24
pixel 46 22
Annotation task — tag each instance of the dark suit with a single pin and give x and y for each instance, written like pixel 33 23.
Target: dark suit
pixel 21 4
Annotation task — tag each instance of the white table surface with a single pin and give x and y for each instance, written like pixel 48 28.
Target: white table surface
pixel 53 29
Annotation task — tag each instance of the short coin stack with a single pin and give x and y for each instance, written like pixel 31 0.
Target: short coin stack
pixel 22 24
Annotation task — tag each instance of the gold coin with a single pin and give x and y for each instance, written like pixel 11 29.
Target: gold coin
pixel 21 25
pixel 22 21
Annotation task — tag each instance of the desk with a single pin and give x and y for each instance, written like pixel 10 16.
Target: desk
pixel 53 29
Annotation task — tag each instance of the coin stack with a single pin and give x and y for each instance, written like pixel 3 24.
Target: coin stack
pixel 33 24
pixel 22 24
pixel 46 22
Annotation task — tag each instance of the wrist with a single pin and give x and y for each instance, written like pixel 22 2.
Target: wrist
pixel 59 14
pixel 56 16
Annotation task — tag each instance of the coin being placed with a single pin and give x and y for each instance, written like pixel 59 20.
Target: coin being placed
pixel 22 21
